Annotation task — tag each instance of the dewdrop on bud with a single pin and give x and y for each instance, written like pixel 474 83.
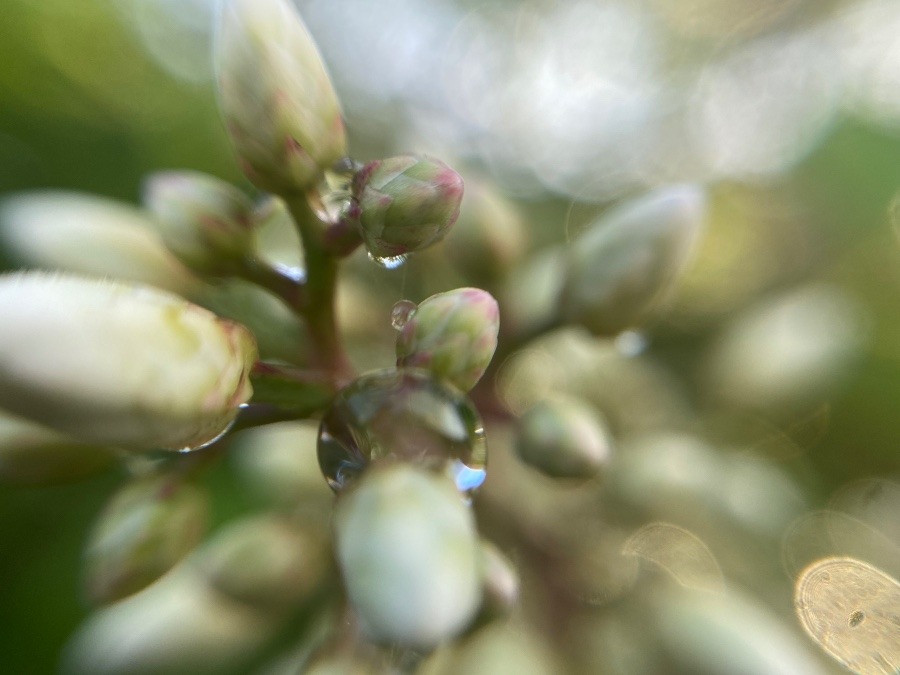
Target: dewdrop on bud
pixel 563 438
pixel 118 364
pixel 275 95
pixel 204 221
pixel 409 554
pixel 404 204
pixel 621 267
pixel 404 415
pixel 453 335
pixel 148 526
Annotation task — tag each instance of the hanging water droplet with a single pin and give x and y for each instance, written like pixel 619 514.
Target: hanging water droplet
pixel 406 415
pixel 390 262
pixel 402 312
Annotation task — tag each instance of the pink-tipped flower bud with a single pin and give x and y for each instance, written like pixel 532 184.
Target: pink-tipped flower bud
pixel 453 335
pixel 204 221
pixel 277 100
pixel 404 204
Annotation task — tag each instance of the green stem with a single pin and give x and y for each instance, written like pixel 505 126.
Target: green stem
pixel 320 290
pixel 290 289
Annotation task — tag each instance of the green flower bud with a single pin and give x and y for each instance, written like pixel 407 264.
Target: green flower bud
pixel 404 204
pixel 409 553
pixel 34 455
pixel 204 221
pixel 177 625
pixel 453 335
pixel 500 582
pixel 89 235
pixel 277 100
pixel 489 237
pixel 121 365
pixel 563 438
pixel 267 562
pixel 147 527
pixel 620 268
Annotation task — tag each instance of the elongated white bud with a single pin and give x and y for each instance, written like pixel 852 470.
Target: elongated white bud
pixel 119 364
pixel 623 265
pixel 85 234
pixel 408 551
pixel 280 109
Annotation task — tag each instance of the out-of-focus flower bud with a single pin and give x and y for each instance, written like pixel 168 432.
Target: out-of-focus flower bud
pixel 267 562
pixel 453 335
pixel 90 235
pixel 277 100
pixel 204 221
pixel 34 455
pixel 118 364
pixel 404 204
pixel 621 267
pixel 409 554
pixel 563 438
pixel 147 527
pixel 489 237
pixel 177 625
pixel 500 583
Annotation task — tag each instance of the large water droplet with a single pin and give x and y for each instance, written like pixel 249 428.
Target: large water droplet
pixel 405 415
pixel 390 262
pixel 402 312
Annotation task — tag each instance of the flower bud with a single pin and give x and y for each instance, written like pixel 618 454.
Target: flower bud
pixel 453 335
pixel 267 562
pixel 277 100
pixel 204 221
pixel 563 438
pixel 34 455
pixel 621 267
pixel 500 583
pixel 404 204
pixel 147 527
pixel 121 365
pixel 489 237
pixel 409 553
pixel 90 235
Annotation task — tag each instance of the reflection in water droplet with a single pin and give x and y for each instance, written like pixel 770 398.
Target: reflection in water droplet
pixel 389 262
pixel 402 312
pixel 406 415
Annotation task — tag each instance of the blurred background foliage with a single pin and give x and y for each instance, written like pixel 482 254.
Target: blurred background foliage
pixel 784 340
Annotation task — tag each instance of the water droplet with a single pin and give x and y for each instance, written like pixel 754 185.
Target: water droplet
pixel 391 262
pixel 406 415
pixel 333 193
pixel 402 312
